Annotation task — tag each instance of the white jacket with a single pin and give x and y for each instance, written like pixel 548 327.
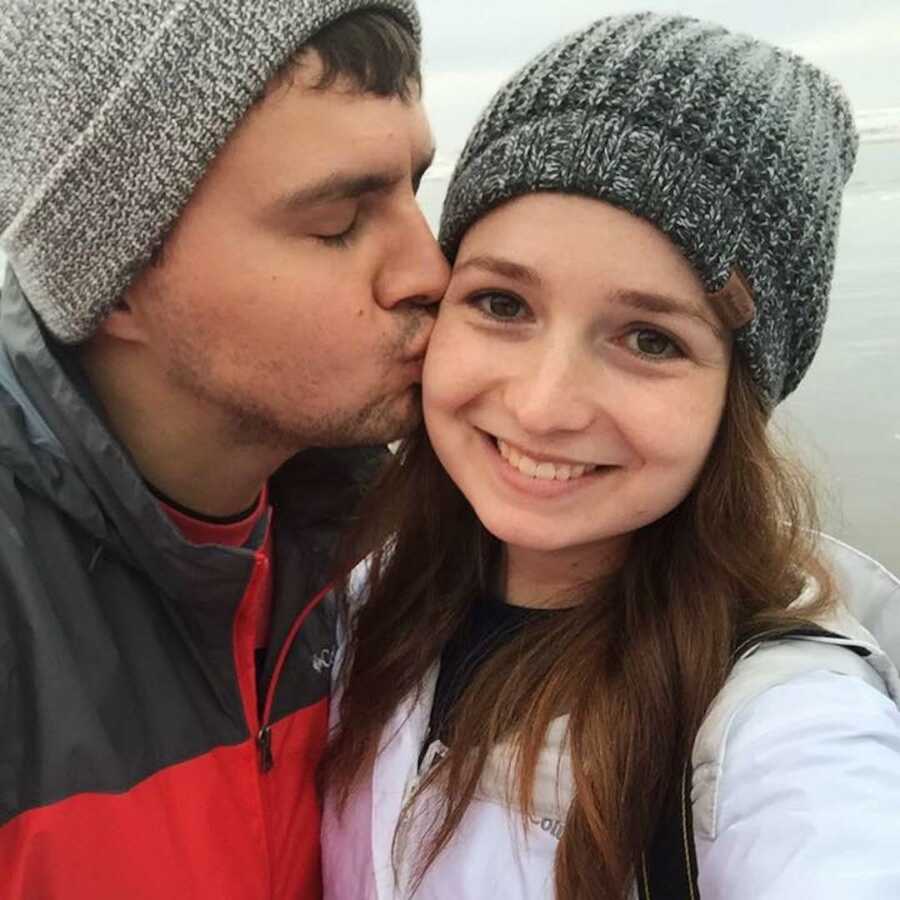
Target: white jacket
pixel 796 781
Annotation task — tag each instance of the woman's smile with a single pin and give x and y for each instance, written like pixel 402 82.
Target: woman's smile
pixel 535 475
pixel 538 466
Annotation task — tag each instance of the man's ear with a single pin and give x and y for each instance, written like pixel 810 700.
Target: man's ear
pixel 127 321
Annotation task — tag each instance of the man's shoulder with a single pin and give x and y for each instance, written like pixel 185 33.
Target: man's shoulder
pixel 15 498
pixel 35 535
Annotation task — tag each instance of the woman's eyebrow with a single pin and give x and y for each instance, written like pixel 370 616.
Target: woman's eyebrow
pixel 648 301
pixel 505 268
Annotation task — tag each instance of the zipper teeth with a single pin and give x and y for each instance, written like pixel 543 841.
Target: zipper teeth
pixel 248 691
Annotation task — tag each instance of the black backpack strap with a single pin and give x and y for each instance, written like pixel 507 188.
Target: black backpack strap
pixel 669 867
pixel 811 632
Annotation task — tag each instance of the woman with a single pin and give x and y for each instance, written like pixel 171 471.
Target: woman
pixel 601 574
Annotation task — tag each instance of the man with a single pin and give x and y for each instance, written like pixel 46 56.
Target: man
pixel 216 266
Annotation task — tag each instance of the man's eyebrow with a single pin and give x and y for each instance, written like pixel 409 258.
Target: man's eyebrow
pixel 648 301
pixel 339 186
pixel 505 268
pixel 343 186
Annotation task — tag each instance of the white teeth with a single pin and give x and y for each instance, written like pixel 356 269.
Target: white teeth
pixel 545 471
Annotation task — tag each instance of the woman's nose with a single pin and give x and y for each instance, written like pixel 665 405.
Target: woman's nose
pixel 552 395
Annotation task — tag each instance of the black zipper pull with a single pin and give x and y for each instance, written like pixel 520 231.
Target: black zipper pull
pixel 264 745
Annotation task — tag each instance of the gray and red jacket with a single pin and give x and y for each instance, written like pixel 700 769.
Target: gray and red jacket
pixel 139 758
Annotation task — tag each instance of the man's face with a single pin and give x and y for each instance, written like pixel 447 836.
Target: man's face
pixel 291 299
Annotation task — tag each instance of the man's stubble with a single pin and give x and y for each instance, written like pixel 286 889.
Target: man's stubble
pixel 257 412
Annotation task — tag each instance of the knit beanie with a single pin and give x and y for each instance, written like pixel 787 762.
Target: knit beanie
pixel 737 150
pixel 110 113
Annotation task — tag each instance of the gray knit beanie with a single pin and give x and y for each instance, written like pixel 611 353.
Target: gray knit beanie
pixel 110 112
pixel 737 150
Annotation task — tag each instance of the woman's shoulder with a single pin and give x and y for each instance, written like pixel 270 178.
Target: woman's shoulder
pixel 796 768
pixel 803 792
pixel 869 592
pixel 780 690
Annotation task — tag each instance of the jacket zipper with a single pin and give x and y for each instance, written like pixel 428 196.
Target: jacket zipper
pixel 264 735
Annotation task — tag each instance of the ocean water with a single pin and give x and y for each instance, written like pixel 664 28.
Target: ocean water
pixel 844 420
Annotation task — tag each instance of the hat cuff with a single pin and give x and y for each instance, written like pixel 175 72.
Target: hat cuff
pixel 636 169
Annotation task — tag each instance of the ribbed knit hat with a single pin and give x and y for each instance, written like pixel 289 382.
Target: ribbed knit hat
pixel 737 150
pixel 110 112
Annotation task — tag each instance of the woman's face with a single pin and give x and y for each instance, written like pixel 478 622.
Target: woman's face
pixel 576 374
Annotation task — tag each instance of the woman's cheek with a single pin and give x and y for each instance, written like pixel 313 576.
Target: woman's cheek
pixel 455 352
pixel 441 362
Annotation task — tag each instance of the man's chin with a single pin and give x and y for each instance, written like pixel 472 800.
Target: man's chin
pixel 385 432
pixel 379 427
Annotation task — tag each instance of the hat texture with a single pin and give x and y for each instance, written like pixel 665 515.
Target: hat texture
pixel 737 150
pixel 110 112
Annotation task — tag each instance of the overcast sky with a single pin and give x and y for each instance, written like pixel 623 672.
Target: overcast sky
pixel 471 46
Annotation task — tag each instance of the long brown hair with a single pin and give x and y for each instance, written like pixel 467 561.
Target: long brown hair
pixel 635 667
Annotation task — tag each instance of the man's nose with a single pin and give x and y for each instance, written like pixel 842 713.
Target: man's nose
pixel 417 272
pixel 553 396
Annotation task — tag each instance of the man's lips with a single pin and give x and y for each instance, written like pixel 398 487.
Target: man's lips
pixel 416 348
pixel 415 365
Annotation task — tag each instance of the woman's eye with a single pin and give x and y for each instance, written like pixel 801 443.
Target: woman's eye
pixel 500 306
pixel 652 344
